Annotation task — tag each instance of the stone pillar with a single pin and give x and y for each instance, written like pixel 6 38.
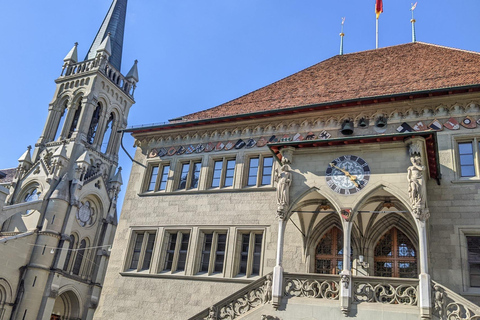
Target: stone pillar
pixel 346 274
pixel 417 191
pixel 277 282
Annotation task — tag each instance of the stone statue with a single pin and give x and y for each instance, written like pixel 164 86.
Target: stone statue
pixel 267 289
pixel 212 313
pixel 283 179
pixel 439 301
pixel 416 187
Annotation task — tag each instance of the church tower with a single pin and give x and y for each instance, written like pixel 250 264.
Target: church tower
pixel 58 217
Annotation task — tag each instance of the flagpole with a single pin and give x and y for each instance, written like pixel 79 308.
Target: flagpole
pixel 376 37
pixel 414 36
pixel 341 37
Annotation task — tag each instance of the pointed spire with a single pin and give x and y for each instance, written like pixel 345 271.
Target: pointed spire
pixel 83 159
pixel 61 151
pixel 106 45
pixel 26 157
pixel 72 55
pixel 114 23
pixel 133 73
pixel 118 177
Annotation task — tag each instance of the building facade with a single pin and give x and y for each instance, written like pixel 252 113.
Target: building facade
pixel 350 188
pixel 58 211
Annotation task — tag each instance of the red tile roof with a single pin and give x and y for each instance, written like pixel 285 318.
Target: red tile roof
pixel 387 71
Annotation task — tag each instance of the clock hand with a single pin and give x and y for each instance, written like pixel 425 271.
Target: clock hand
pixel 347 174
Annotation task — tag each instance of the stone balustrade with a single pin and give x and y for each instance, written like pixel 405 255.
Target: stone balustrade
pixel 320 286
pixel 447 305
pixel 385 290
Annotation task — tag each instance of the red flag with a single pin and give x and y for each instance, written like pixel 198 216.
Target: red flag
pixel 378 7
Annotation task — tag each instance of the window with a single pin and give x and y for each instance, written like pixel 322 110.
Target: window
pixel 395 256
pixel 69 252
pixel 79 259
pixel 176 252
pixel 142 250
pixel 260 171
pixel 92 129
pixel 329 252
pixel 31 195
pixel 468 158
pixel 61 122
pixel 158 182
pixel 223 173
pixel 189 175
pixel 76 117
pixel 473 247
pixel 250 251
pixel 213 252
pixel 108 133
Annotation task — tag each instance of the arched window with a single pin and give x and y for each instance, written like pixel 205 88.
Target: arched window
pixel 79 258
pixel 61 121
pixel 31 195
pixel 69 252
pixel 108 133
pixel 329 252
pixel 75 120
pixel 92 129
pixel 395 256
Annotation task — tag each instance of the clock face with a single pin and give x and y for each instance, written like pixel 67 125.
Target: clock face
pixel 347 174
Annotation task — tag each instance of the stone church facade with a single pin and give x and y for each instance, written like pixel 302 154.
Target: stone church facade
pixel 350 188
pixel 58 211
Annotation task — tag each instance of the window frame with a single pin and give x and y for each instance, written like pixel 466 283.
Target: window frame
pixel 260 171
pixel 213 252
pixel 250 256
pixel 188 183
pixel 146 234
pixel 475 141
pixel 176 251
pixel 463 232
pixel 158 180
pixel 223 172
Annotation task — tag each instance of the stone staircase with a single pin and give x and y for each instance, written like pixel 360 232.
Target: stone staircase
pixel 316 296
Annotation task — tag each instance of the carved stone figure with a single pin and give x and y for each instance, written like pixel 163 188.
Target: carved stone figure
pixel 416 187
pixel 212 313
pixel 267 287
pixel 345 281
pixel 284 180
pixel 438 301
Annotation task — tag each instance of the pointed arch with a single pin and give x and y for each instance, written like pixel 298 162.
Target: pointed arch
pixel 73 241
pixel 94 122
pixel 79 257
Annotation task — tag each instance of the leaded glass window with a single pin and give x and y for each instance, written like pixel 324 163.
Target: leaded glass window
pixel 329 252
pixel 473 246
pixel 250 253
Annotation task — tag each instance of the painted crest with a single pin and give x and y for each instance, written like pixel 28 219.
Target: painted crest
pixel 286 138
pixel 172 151
pixel 452 124
pixel 404 127
pixel 272 139
pixel 190 149
pixel 219 146
pixel 261 142
pixel 469 122
pixel 229 145
pixel 297 137
pixel 181 150
pixel 240 144
pixel 251 143
pixel 435 125
pixel 210 146
pixel 153 153
pixel 346 213
pixel 200 148
pixel 310 136
pixel 420 126
pixel 162 152
pixel 324 135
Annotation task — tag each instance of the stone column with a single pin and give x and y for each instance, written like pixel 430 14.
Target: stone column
pixel 417 191
pixel 346 274
pixel 283 177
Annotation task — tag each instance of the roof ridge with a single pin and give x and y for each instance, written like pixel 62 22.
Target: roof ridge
pixel 450 48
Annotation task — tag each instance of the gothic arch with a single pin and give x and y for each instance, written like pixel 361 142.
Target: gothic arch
pixel 68 303
pixel 296 204
pixel 386 223
pixel 6 293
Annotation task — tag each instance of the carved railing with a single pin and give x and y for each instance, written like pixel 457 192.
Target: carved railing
pixel 253 295
pixel 447 305
pixel 320 286
pixel 385 290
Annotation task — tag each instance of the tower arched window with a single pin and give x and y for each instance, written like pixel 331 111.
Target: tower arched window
pixel 329 252
pixel 79 259
pixel 108 133
pixel 92 129
pixel 69 253
pixel 76 118
pixel 395 256
pixel 61 121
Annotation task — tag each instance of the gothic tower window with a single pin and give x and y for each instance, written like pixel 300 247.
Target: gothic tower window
pixel 75 120
pixel 108 133
pixel 69 252
pixel 92 129
pixel 395 256
pixel 79 259
pixel 61 121
pixel 329 252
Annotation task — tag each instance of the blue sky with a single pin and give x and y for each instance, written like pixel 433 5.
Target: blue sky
pixel 196 54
